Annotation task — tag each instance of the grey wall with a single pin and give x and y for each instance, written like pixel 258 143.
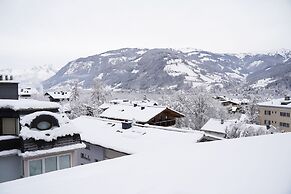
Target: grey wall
pixel 93 153
pixel 8 90
pixel 10 168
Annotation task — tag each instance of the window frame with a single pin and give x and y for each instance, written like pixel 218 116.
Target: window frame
pixel 43 170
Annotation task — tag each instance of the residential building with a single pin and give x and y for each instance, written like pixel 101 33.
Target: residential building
pixel 58 96
pixel 141 113
pixel 34 137
pixel 276 112
pixel 107 139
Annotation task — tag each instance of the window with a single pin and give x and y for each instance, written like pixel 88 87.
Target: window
pixel 85 156
pixel 43 125
pixel 267 122
pixel 284 114
pixel 267 112
pixel 8 126
pixel 50 164
pixel 65 161
pixel 287 125
pixel 35 167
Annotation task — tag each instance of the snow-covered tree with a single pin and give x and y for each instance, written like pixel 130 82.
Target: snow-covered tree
pixel 241 129
pixel 98 96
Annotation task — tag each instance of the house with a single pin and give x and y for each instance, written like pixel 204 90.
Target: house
pixel 253 165
pixel 58 96
pixel 276 112
pixel 27 92
pixel 34 137
pixel 141 114
pixel 107 139
pixel 217 127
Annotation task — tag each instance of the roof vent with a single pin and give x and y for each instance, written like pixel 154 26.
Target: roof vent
pixel 134 105
pixel 126 125
pixel 142 108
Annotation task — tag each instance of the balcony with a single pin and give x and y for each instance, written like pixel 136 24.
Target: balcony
pixel 9 142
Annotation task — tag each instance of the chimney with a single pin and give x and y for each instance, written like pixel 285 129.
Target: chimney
pixel 126 125
pixel 221 121
pixel 8 87
pixel 134 105
pixel 142 108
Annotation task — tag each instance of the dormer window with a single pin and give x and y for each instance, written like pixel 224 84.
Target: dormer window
pixel 44 122
pixel 44 125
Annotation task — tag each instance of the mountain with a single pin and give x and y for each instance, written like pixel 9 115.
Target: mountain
pixel 31 76
pixel 152 69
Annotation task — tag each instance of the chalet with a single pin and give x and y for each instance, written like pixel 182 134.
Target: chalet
pixel 107 139
pixel 34 137
pixel 58 96
pixel 141 114
pixel 216 127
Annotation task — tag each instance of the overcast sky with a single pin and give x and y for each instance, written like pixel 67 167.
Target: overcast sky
pixel 34 32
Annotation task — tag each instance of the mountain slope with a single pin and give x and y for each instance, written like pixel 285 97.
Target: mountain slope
pixel 152 69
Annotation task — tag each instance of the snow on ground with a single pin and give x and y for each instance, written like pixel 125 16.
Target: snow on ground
pixel 138 138
pixel 262 83
pixel 176 67
pixel 254 165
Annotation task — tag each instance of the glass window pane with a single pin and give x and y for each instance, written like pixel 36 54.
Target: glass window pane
pixel 35 167
pixel 65 161
pixel 50 164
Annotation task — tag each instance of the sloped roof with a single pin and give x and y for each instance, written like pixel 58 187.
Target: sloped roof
pixel 109 133
pixel 138 113
pixel 253 165
pixel 59 95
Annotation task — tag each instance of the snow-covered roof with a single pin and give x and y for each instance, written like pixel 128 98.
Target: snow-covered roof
pixel 253 165
pixel 215 125
pixel 27 104
pixel 138 113
pixel 59 95
pixel 277 103
pixel 109 134
pixel 65 127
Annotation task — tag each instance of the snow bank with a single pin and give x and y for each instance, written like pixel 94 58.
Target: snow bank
pixel 255 165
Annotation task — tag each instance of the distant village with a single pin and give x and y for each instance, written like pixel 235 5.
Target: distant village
pixel 41 136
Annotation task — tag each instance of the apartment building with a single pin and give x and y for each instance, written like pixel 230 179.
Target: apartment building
pixel 277 113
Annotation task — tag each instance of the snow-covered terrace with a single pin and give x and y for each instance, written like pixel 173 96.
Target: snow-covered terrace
pixel 138 138
pixel 27 104
pixel 253 165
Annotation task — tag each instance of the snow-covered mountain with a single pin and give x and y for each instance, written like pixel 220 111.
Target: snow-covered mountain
pixel 151 69
pixel 31 76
